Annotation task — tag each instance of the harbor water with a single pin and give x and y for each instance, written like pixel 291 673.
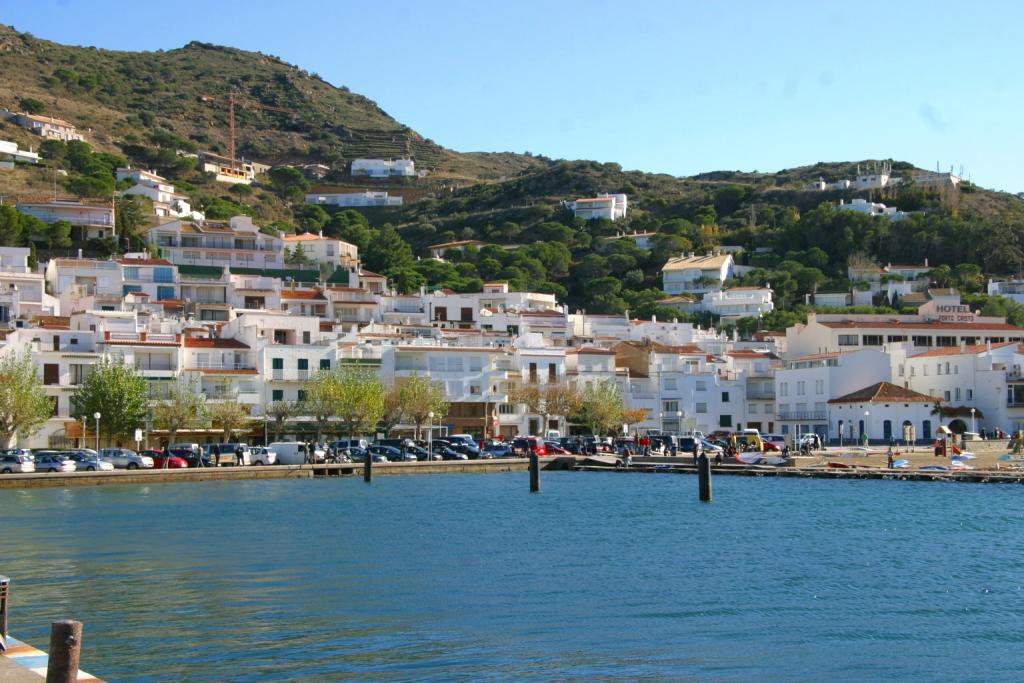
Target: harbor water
pixel 470 577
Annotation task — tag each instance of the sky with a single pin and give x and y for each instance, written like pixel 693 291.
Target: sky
pixel 669 87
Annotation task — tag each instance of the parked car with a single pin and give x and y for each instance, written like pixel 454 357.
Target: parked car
pixel 289 452
pixel 89 461
pixel 125 458
pixel 711 448
pixel 776 440
pixel 810 440
pixel 262 455
pixel 192 457
pixel 16 463
pixel 228 453
pixel 391 453
pixel 497 449
pixel 360 442
pixel 524 445
pixel 687 444
pixel 422 454
pixel 54 462
pixel 351 454
pixel 464 443
pixel 174 462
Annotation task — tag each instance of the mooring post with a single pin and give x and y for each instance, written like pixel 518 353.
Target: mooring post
pixel 368 467
pixel 704 475
pixel 534 473
pixel 5 584
pixel 65 648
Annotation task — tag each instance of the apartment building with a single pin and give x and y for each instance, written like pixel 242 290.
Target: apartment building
pixel 236 243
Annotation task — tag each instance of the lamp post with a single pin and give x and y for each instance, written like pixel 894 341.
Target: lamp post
pixel 973 430
pixel 430 435
pixel 867 414
pixel 97 416
pixel 661 421
pixel 679 421
pixel 81 442
pixel 840 433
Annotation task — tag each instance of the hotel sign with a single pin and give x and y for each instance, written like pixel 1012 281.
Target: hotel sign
pixel 955 313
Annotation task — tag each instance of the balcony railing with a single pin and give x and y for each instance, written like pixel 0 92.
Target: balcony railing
pixel 761 394
pixel 212 365
pixel 291 375
pixel 803 415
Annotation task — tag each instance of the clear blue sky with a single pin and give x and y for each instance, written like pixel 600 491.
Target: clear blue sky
pixel 673 87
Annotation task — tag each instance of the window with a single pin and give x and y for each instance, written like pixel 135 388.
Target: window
pixel 872 340
pixel 819 386
pixel 552 372
pixel 466 314
pixel 702 407
pixel 947 367
pixel 970 394
pixel 725 397
pixel 441 313
pixel 475 364
pixel 945 341
pixel 474 389
pixel 752 409
pixel 702 385
pixel 163 275
pixel 922 340
pixel 938 368
pixel 902 369
pixel 506 409
pixel 847 340
pixel 301 395
pixel 325 363
pixel 163 293
pixel 131 273
pixel 784 389
pixel 896 338
pixel 533 373
pixel 305 337
pixel 725 420
pixel 51 373
pixel 956 394
pixel 946 395
pixel 670 383
pixel 277 395
pixel 801 387
pixel 670 406
pixel 128 289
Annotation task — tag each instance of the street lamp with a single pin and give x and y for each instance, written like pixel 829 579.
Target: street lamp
pixel 679 421
pixel 867 414
pixel 97 416
pixel 81 442
pixel 973 430
pixel 430 435
pixel 661 421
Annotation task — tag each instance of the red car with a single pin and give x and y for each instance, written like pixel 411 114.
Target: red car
pixel 174 462
pixel 554 448
pixel 524 445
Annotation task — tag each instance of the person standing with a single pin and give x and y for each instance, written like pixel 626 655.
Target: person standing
pixel 889 457
pixel 215 452
pixel 239 456
pixel 199 460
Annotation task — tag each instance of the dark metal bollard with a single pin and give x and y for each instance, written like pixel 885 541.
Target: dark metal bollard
pixel 368 467
pixel 65 648
pixel 534 473
pixel 704 475
pixel 4 601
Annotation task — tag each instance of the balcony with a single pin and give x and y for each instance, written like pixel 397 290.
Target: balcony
pixel 803 415
pixel 291 375
pixel 761 394
pixel 141 338
pixel 212 365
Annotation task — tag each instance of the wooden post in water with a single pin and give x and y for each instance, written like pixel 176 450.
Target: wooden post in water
pixel 534 473
pixel 704 475
pixel 65 648
pixel 368 467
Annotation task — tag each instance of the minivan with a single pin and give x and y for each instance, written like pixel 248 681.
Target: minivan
pixel 289 452
pixel 227 453
pixel 359 442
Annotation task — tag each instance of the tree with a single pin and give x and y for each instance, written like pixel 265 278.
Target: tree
pixel 24 405
pixel 32 106
pixel 59 235
pixel 388 252
pixel 394 412
pixel 184 408
pixel 288 182
pixel 601 407
pixel 631 417
pixel 546 401
pixel 118 393
pixel 279 412
pixel 322 400
pixel 230 414
pixel 360 399
pixel 420 397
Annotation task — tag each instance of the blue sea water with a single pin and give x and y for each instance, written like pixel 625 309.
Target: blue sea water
pixel 470 577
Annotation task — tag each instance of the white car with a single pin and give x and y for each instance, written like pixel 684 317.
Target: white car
pixel 262 456
pixel 126 458
pixel 16 464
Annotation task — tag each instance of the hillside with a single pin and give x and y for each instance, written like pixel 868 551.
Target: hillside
pixel 118 96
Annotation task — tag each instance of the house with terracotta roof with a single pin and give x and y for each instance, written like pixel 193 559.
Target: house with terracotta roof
pixel 609 206
pixel 883 412
pixel 439 250
pixel 47 127
pixel 223 367
pixel 304 302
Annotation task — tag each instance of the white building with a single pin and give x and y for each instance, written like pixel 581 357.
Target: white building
pixel 1011 289
pixel 438 250
pixel 325 250
pixel 236 243
pixel 880 411
pixel 166 202
pixel 696 274
pixel 93 217
pixel 610 206
pixel 10 151
pixel 872 209
pixel 354 199
pixel 937 181
pixel 383 168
